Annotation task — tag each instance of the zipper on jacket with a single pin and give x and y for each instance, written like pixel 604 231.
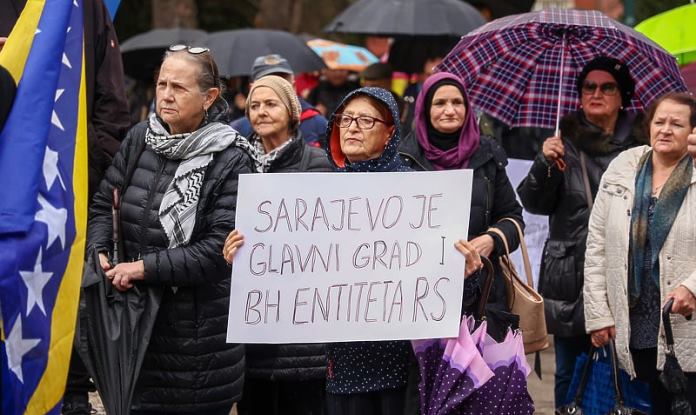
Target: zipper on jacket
pixel 146 213
pixel 489 204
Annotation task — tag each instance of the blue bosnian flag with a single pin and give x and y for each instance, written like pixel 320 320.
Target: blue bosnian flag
pixel 43 205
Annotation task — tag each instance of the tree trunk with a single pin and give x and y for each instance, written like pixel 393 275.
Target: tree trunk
pixel 174 13
pixel 275 14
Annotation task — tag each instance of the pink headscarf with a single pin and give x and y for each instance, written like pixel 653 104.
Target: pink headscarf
pixel 469 135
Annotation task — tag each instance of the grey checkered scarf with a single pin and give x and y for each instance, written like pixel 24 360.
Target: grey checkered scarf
pixel 264 160
pixel 177 212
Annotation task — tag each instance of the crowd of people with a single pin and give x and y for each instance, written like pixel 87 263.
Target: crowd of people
pixel 618 189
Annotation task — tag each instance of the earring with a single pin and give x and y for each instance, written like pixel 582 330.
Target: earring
pixel 205 111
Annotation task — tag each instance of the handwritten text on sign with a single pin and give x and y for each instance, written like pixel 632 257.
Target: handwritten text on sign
pixel 349 256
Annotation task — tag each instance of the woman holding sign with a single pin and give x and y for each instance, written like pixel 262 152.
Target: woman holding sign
pixel 371 377
pixel 281 378
pixel 447 137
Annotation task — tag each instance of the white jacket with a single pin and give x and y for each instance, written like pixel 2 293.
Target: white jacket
pixel 606 261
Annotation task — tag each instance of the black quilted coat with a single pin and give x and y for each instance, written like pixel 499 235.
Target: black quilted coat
pixel 188 365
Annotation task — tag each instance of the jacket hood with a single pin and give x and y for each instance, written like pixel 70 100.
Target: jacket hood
pixel 389 159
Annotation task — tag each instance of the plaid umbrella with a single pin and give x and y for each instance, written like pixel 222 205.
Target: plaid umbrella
pixel 513 66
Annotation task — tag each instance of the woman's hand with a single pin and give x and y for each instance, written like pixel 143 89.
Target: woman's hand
pixel 471 256
pixel 123 275
pixel 553 149
pixel 602 336
pixel 104 262
pixel 684 301
pixel 232 243
pixel 483 244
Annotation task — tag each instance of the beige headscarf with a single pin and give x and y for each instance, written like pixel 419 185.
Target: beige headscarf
pixel 285 92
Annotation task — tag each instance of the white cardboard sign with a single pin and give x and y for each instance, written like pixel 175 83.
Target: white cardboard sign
pixel 536 226
pixel 333 257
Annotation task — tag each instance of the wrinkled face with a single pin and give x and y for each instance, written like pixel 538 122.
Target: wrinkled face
pixel 360 144
pixel 180 102
pixel 669 129
pixel 447 110
pixel 267 114
pixel 597 99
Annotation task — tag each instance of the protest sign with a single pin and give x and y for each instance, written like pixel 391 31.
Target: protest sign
pixel 536 226
pixel 332 257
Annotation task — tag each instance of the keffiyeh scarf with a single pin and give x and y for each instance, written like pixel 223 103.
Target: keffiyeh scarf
pixel 177 212
pixel 264 160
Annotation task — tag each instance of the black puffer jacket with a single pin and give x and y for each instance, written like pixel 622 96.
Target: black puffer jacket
pixel 561 195
pixel 492 196
pixel 188 365
pixel 291 362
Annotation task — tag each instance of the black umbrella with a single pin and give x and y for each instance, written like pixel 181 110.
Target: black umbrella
pixel 114 331
pixel 142 53
pixel 407 18
pixel 672 376
pixel 409 54
pixel 502 8
pixel 235 50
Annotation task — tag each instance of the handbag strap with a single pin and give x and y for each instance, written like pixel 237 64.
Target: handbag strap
pixel 487 285
pixel 584 377
pixel 615 373
pixel 586 180
pixel 523 247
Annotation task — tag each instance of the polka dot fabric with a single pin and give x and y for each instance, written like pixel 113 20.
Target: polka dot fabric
pixel 361 367
pixel 473 374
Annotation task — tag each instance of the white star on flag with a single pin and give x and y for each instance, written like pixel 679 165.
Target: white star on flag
pixel 17 347
pixel 35 281
pixel 55 220
pixel 54 116
pixel 66 61
pixel 50 168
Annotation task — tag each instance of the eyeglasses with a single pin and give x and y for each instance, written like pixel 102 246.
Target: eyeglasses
pixel 365 122
pixel 194 50
pixel 608 88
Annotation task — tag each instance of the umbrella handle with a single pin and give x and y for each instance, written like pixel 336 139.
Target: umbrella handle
pixel 666 323
pixel 560 86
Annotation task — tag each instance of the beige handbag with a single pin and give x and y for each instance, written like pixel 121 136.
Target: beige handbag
pixel 523 300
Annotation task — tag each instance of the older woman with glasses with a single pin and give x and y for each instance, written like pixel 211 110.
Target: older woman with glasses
pixel 177 174
pixel 369 378
pixel 562 183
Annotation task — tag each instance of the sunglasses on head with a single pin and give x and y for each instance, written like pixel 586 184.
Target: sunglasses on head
pixel 194 50
pixel 608 88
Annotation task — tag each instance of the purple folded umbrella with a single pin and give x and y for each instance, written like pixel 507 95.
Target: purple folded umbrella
pixel 451 370
pixel 506 392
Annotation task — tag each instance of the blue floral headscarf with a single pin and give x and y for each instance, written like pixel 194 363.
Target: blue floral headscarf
pixel 389 160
